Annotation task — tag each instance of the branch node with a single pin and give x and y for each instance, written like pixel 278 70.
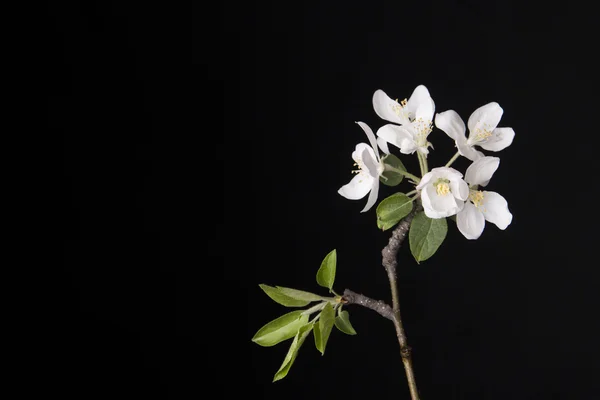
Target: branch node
pixel 406 351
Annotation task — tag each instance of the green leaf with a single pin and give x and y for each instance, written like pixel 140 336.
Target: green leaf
pixel 392 209
pixel 426 235
pixel 299 294
pixel 391 178
pixel 292 353
pixel 326 273
pixel 342 322
pixel 317 334
pixel 279 297
pixel 323 327
pixel 280 329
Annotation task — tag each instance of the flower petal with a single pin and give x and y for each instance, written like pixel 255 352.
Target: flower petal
pixel 495 209
pixel 399 136
pixel 501 138
pixel 425 180
pixel 371 137
pixel 358 152
pixel 452 124
pixel 420 104
pixel 468 151
pixel 383 145
pixel 425 111
pixel 481 171
pixel 358 187
pixel 426 201
pixel 447 172
pixel 459 189
pixel 408 146
pixel 386 108
pixel 369 161
pixel 470 221
pixel 372 196
pixel 440 205
pixel 485 117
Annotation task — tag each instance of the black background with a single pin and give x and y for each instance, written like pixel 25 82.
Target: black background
pixel 203 153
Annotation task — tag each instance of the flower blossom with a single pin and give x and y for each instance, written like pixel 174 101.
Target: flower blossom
pixel 482 205
pixel 483 130
pixel 443 192
pixel 369 170
pixel 414 115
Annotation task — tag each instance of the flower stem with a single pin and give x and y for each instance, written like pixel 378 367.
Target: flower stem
pixel 454 158
pixel 422 163
pixel 402 172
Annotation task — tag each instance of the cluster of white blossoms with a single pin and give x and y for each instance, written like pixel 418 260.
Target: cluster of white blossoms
pixel 443 191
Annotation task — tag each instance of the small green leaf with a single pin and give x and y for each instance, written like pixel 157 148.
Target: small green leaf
pixel 426 235
pixel 323 327
pixel 326 273
pixel 342 322
pixel 299 294
pixel 280 329
pixel 292 353
pixel 392 178
pixel 279 297
pixel 392 209
pixel 318 338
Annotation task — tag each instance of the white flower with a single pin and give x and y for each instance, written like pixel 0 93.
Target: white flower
pixel 483 130
pixel 443 192
pixel 415 117
pixel 482 205
pixel 369 170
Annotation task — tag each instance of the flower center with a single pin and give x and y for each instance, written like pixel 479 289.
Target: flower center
pixel 442 187
pixel 480 134
pixel 476 196
pixel 423 128
pixel 360 166
pixel 360 169
pixel 400 108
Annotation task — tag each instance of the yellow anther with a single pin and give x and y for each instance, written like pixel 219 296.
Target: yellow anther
pixel 482 134
pixel 398 108
pixel 476 197
pixel 442 189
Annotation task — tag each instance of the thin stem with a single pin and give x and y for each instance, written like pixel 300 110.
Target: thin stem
pixel 405 350
pixel 425 166
pixel 402 172
pixel 421 166
pixel 454 158
pixel 314 309
pixel 379 306
pixel 390 262
pixel 411 192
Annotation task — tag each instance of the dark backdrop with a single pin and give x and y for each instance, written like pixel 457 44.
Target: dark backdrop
pixel 203 153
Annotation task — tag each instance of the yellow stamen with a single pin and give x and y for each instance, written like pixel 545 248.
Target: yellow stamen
pixel 442 188
pixel 476 197
pixel 423 129
pixel 481 134
pixel 398 108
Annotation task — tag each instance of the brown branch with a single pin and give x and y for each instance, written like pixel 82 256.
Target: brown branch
pixel 390 262
pixel 378 306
